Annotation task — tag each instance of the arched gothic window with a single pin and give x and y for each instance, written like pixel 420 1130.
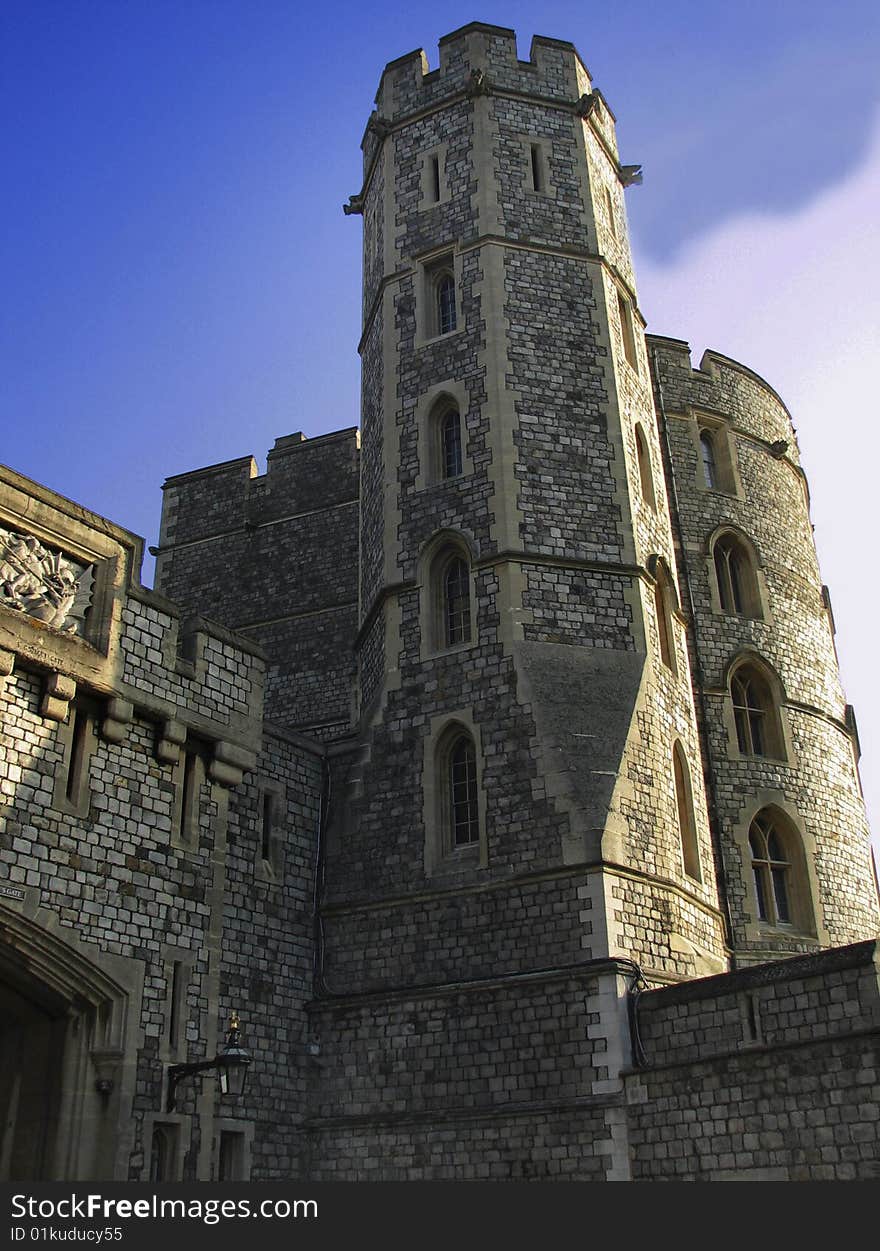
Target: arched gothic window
pixel 646 479
pixel 445 300
pixel 456 601
pixel 736 577
pixel 687 826
pixel 771 870
pixel 755 714
pixel 461 783
pixel 450 458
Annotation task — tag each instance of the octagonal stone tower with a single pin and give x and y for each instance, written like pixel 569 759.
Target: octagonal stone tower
pixel 529 738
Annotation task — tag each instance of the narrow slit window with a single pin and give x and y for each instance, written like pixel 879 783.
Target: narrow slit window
pixel 690 852
pixel 268 823
pixel 537 170
pixel 646 478
pixel 627 331
pixel 609 206
pixel 435 178
pixel 78 754
pixel 175 1015
pixel 664 623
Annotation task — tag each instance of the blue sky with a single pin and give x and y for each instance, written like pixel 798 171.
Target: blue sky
pixel 181 286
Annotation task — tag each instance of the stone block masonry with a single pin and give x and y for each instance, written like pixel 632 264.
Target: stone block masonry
pixel 276 558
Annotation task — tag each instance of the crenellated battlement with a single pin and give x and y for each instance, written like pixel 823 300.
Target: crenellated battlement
pixel 302 475
pixel 476 58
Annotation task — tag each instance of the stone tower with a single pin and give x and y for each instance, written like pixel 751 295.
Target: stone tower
pixel 780 742
pixel 523 812
pixel 519 595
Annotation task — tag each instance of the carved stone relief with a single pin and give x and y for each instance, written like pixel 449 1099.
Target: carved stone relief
pixel 43 583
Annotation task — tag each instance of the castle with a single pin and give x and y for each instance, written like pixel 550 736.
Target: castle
pixel 490 761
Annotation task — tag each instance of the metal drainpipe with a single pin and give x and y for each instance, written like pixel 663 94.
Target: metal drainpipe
pixel 703 724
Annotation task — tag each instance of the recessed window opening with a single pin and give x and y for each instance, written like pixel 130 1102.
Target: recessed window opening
pixel 267 827
pixel 435 178
pixel 456 602
pixel 446 318
pixel 78 751
pixel 178 990
pixel 609 205
pixel 771 870
pixel 755 714
pixel 710 466
pixel 664 625
pixel 163 1152
pixel 230 1156
pixel 690 852
pixel 537 170
pixel 188 797
pixel 735 575
pixel 450 440
pixel 465 828
pixel 627 331
pixel 646 479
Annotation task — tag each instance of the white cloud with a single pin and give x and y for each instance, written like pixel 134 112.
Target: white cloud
pixel 797 299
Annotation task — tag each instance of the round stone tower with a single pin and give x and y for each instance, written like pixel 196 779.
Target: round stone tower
pixel 780 741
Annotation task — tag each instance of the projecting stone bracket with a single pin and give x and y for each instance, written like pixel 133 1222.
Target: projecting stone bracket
pixel 7 664
pixel 230 763
pixel 58 692
pixel 114 727
pixel 171 739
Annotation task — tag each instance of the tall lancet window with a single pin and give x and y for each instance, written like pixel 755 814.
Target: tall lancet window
pixel 456 602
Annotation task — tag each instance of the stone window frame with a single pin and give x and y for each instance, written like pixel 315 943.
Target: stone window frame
pixel 440 854
pixel 180 1127
pixel 756 593
pixel 432 270
pixel 645 467
pixel 626 319
pixel 271 869
pixel 78 740
pixel 725 459
pixel 430 407
pixel 537 148
pixel 779 739
pixel 611 214
pixel 803 882
pixel 689 843
pixel 427 188
pixel 440 549
pixel 190 778
pixel 244 1131
pixel 665 603
pixel 179 965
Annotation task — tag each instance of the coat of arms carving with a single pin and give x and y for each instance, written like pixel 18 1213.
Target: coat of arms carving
pixel 43 583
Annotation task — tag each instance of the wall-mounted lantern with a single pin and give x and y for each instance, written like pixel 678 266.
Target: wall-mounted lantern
pixel 231 1066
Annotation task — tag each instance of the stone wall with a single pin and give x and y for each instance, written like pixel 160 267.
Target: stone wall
pixel 138 908
pixel 772 1073
pixel 276 558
